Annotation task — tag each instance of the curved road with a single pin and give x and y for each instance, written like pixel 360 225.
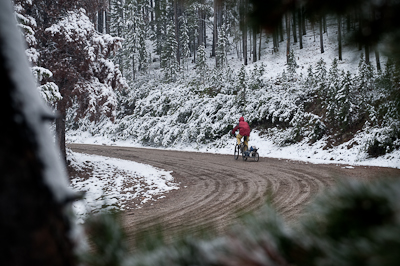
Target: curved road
pixel 215 187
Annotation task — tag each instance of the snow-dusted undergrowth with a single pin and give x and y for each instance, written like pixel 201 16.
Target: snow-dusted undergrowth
pixel 313 109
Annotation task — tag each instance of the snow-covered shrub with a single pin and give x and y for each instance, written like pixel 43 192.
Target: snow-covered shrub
pixel 383 140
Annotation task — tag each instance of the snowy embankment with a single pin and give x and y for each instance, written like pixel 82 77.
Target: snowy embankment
pixel 344 154
pixel 115 184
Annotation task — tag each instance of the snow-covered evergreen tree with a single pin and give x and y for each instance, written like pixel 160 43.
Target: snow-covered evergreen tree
pixel 222 47
pixel 320 78
pixel 169 63
pixel 291 67
pixel 330 102
pixel 185 42
pixel 142 29
pixel 201 63
pixel 48 89
pixel 347 102
pixel 93 80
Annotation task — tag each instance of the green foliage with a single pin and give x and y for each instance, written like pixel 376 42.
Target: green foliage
pixel 352 225
pixel 108 239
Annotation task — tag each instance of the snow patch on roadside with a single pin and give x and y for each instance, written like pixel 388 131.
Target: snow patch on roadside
pixel 113 183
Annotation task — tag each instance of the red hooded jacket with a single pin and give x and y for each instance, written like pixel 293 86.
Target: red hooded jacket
pixel 244 128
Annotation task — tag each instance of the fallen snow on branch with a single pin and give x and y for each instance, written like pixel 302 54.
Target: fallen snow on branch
pixel 115 184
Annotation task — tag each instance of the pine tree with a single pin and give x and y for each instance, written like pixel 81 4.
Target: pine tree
pixel 117 29
pixel 185 42
pixel 347 102
pixel 168 57
pixel 320 78
pixel 201 64
pixel 142 28
pixel 48 89
pixel 291 67
pixel 221 47
pixel 330 102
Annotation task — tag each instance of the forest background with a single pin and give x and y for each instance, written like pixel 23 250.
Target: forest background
pixel 80 71
pixel 181 73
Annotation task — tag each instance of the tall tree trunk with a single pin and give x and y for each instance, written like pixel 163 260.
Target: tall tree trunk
pixel 321 36
pixel 108 18
pixel 340 36
pixel 367 61
pixel 259 45
pixel 324 21
pixel 244 32
pixel 348 22
pixel 275 40
pixel 303 23
pixel 300 19
pixel 215 31
pixel 287 16
pixel 100 22
pixel 178 55
pixel 378 62
pixel 254 44
pixel 294 27
pixel 201 39
pixel 151 13
pixel 204 29
pixel 60 128
pixel 281 30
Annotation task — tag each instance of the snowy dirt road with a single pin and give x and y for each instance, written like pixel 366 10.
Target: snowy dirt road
pixel 214 187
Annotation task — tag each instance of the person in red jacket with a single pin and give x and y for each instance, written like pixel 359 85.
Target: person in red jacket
pixel 244 131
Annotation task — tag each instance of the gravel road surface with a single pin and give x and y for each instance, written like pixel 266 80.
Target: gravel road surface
pixel 214 188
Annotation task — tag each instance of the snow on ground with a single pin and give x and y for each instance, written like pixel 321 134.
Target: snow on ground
pixel 114 183
pixel 345 153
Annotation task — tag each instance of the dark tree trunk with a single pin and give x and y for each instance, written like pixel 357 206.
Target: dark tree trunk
pixel 303 23
pixel 100 22
pixel 254 44
pixel 178 56
pixel 367 54
pixel 259 45
pixel 294 27
pixel 378 62
pixel 324 21
pixel 107 13
pixel 34 227
pixel 348 22
pixel 204 29
pixel 300 19
pixel 321 36
pixel 245 45
pixel 151 12
pixel 60 128
pixel 201 38
pixel 340 36
pixel 281 30
pixel 275 40
pixel 287 16
pixel 244 10
pixel 215 31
